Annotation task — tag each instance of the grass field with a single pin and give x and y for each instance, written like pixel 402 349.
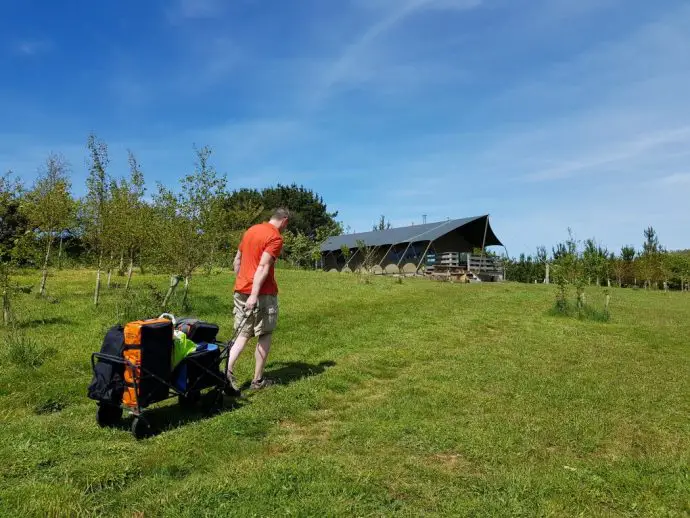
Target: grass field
pixel 409 399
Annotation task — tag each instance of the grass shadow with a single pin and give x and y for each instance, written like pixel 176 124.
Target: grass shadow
pixel 288 372
pixel 44 322
pixel 170 417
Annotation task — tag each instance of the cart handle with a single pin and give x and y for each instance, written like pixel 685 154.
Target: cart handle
pixel 169 316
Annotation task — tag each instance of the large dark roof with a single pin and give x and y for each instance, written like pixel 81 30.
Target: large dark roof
pixel 412 234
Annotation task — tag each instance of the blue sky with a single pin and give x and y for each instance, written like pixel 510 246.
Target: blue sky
pixel 544 113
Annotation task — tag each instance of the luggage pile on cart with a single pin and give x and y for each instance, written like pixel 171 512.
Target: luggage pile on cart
pixel 148 361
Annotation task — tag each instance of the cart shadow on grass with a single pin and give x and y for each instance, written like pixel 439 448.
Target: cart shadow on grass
pixel 172 416
pixel 169 417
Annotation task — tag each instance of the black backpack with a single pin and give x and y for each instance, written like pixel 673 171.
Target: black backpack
pixel 107 384
pixel 197 330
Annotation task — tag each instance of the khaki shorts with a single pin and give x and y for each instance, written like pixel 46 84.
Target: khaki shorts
pixel 263 319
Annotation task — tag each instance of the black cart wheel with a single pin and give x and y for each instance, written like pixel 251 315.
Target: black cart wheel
pixel 214 401
pixel 189 400
pixel 141 428
pixel 108 415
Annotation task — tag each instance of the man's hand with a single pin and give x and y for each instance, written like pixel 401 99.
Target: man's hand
pixel 251 303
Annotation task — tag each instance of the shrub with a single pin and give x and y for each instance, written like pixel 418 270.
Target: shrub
pixel 139 304
pixel 25 351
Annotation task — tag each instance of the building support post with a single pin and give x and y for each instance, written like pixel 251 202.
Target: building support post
pixel 423 256
pixel 373 249
pixel 486 228
pixel 386 254
pixel 351 258
pixel 403 254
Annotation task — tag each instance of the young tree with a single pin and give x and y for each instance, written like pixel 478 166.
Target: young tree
pixel 127 225
pixel 297 249
pixel 627 260
pixel 322 234
pixel 12 225
pixel 543 264
pixel 593 258
pixel 382 224
pixel 191 232
pixel 650 261
pixel 49 207
pixel 95 207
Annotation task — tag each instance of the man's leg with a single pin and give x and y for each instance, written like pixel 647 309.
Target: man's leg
pixel 261 354
pixel 268 308
pixel 235 352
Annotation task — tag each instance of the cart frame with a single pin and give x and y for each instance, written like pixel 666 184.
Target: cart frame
pixel 109 414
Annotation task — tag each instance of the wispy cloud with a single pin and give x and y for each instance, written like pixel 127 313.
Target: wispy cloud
pixel 676 179
pixel 350 65
pixel 623 154
pixel 30 48
pixel 182 10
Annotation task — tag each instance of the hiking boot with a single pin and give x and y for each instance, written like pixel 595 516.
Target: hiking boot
pixel 262 383
pixel 234 386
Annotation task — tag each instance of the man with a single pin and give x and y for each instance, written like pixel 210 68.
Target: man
pixel 256 293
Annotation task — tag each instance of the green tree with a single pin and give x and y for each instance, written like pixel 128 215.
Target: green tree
pixel 10 221
pixel 189 233
pixel 127 224
pixel 308 211
pixel 95 216
pixel 650 261
pixel 49 208
pixel 625 265
pixel 383 224
pixel 297 249
pixel 595 262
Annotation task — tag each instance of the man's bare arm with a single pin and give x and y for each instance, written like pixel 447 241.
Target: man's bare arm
pixel 236 263
pixel 262 271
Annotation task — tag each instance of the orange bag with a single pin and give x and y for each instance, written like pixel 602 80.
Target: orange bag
pixel 152 340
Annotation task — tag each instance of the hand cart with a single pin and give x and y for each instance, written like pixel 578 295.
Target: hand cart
pixel 203 373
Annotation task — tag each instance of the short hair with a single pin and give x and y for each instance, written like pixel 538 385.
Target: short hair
pixel 280 213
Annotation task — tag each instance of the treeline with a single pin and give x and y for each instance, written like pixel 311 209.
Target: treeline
pixel 119 225
pixel 589 262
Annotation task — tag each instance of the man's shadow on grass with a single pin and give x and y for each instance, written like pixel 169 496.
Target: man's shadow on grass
pixel 284 373
pixel 170 415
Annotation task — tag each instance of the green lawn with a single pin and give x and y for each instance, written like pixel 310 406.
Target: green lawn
pixel 423 398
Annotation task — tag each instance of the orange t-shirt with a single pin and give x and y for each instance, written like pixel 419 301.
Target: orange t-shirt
pixel 260 238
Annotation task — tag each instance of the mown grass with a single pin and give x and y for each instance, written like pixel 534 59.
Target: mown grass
pixel 409 399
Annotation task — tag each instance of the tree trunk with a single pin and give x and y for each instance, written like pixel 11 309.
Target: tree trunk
pixel 186 291
pixel 6 316
pixel 129 273
pixel 59 259
pixel 174 281
pixel 121 269
pixel 44 276
pixel 110 272
pixel 608 282
pixel 547 278
pixel 97 293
